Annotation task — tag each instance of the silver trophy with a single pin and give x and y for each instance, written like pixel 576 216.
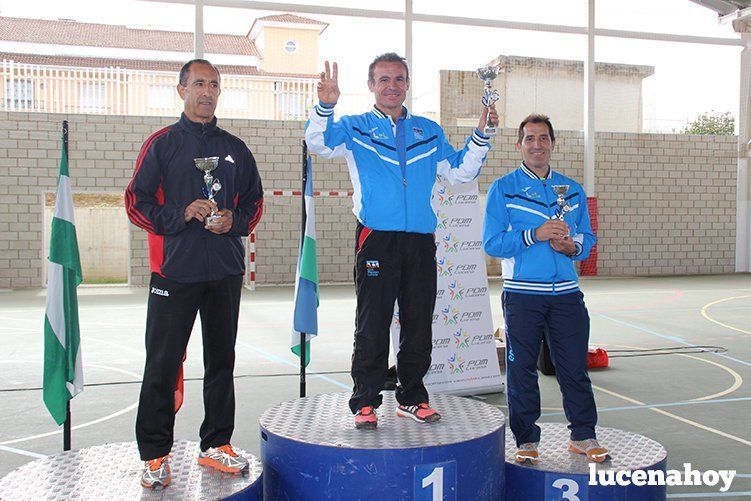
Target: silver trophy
pixel 487 74
pixel 206 165
pixel 563 207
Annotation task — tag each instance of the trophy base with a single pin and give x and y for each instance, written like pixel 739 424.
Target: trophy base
pixel 214 220
pixel 490 131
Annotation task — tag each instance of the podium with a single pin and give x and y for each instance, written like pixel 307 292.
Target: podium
pixel 565 475
pixel 311 450
pixel 113 471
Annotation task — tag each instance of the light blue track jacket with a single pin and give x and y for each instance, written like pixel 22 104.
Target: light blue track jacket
pixel 517 204
pixel 393 167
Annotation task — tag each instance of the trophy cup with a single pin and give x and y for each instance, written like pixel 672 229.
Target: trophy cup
pixel 206 165
pixel 563 206
pixel 487 74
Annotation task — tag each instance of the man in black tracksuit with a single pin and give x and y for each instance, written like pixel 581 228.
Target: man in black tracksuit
pixel 197 264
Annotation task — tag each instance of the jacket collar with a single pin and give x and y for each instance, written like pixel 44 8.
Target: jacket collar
pixel 526 170
pixel 197 128
pixel 407 115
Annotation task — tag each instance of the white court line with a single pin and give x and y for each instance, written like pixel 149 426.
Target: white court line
pixel 21 452
pixel 83 425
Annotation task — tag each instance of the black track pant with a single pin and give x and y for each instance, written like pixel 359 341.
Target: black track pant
pixel 171 313
pixel 392 266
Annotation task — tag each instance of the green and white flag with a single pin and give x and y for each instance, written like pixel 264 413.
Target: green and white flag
pixel 63 378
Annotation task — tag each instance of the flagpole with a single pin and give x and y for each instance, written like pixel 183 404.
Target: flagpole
pixel 302 239
pixel 66 424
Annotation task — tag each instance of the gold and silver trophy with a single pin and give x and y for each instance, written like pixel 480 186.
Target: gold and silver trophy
pixel 212 186
pixel 563 207
pixel 487 74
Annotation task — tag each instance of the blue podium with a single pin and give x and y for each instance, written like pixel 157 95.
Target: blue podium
pixel 311 450
pixel 113 471
pixel 563 475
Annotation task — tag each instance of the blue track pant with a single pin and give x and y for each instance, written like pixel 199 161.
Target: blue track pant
pixel 567 321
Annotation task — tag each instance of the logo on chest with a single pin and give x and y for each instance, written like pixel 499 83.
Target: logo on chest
pixel 530 193
pixel 377 134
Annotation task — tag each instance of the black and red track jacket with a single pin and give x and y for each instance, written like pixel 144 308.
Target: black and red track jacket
pixel 166 180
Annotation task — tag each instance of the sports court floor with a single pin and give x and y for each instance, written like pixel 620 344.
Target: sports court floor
pixel 698 405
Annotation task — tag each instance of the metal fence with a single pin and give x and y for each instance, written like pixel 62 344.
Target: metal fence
pixel 119 91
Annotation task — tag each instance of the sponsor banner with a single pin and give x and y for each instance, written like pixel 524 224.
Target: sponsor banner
pixel 464 358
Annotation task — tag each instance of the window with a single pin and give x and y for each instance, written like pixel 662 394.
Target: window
pixel 161 96
pixel 91 96
pixel 19 93
pixel 290 101
pixel 290 47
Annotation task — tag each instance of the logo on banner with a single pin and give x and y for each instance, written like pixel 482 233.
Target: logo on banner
pixel 456 291
pixel 441 342
pixel 480 339
pixel 456 364
pixel 439 294
pixel 445 268
pixel 436 369
pixel 450 315
pixel 461 338
pixel 471 316
pixel 471 245
pixel 451 243
pixel 445 198
pixel 373 268
pixel 465 269
pixel 475 291
pixel 464 199
pixel 443 220
pixel 476 364
pixel 460 222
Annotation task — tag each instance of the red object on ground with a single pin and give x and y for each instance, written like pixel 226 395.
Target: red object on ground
pixel 597 358
pixel 589 265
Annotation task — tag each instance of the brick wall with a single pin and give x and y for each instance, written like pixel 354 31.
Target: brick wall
pixel 667 202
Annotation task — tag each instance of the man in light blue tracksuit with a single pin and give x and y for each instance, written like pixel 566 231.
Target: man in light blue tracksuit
pixel 393 159
pixel 539 240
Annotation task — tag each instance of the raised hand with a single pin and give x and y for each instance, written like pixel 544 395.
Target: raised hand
pixel 328 86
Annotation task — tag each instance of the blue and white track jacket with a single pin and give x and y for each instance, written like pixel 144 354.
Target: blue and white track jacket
pixel 517 204
pixel 393 176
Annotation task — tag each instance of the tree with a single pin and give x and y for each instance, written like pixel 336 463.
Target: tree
pixel 712 123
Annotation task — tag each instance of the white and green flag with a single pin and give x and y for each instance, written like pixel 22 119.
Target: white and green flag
pixel 63 378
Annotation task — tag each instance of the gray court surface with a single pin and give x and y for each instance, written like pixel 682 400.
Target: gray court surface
pixel 698 405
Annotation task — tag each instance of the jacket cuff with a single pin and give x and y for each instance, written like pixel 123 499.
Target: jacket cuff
pixel 528 236
pixel 324 110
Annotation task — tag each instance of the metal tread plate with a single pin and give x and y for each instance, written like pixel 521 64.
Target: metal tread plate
pixel 628 451
pixel 113 471
pixel 326 420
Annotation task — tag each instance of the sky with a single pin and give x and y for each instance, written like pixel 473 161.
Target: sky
pixel 689 78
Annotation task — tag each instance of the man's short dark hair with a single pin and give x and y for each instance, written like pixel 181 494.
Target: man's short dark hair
pixel 536 118
pixel 389 57
pixel 185 70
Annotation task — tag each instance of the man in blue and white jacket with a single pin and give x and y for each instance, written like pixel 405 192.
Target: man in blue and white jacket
pixel 539 242
pixel 393 159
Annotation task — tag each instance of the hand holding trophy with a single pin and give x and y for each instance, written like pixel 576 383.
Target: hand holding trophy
pixel 487 74
pixel 206 165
